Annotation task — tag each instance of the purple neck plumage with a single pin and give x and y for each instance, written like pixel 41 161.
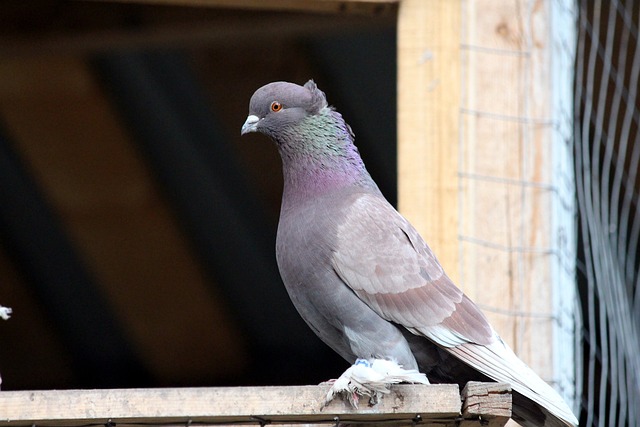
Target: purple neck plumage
pixel 318 157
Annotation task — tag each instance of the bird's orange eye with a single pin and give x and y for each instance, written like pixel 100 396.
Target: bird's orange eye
pixel 276 106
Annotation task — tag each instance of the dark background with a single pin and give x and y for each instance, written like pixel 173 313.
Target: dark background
pixel 137 228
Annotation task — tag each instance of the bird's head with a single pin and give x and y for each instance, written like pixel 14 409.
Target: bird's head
pixel 277 106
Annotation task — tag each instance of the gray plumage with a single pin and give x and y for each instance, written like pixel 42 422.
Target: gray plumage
pixel 361 276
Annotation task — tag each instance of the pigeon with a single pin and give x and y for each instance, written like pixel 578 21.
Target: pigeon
pixel 359 273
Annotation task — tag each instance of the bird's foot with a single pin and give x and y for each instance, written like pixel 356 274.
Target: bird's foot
pixel 371 377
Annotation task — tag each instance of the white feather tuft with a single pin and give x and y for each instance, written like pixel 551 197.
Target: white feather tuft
pixel 372 377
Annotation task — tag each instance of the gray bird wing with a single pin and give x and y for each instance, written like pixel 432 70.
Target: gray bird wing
pixel 389 266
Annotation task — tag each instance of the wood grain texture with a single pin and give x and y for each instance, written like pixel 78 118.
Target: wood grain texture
pixel 490 402
pixel 428 123
pixel 221 405
pixel 506 159
pixel 474 156
pixel 431 405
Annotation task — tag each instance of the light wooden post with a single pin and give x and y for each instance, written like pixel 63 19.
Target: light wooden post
pixel 484 166
pixel 434 405
pixel 428 122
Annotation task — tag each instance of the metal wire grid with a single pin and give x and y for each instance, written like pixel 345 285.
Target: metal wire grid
pixel 607 148
pixel 557 187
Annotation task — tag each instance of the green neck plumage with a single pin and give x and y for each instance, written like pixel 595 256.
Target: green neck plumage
pixel 318 155
pixel 323 137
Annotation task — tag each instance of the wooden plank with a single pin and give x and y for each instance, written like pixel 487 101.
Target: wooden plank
pixel 168 28
pixel 492 148
pixel 488 402
pixel 322 6
pixel 507 163
pixel 432 403
pixel 428 122
pixel 475 156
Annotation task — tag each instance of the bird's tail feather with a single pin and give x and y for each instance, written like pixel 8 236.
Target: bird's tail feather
pixel 498 362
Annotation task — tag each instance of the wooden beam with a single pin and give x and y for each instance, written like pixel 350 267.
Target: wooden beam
pixel 490 402
pixel 219 405
pixel 161 25
pixel 507 167
pixel 432 404
pixel 428 122
pixel 321 6
pixel 483 166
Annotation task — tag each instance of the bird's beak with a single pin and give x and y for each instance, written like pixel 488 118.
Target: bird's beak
pixel 250 125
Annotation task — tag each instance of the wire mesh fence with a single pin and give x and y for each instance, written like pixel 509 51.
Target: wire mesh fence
pixel 607 153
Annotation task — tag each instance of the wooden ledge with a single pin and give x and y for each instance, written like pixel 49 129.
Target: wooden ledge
pixel 489 402
pixel 408 404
